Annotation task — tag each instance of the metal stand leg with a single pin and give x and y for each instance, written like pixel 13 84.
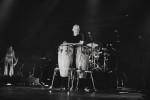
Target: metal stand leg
pixel 72 83
pixel 55 71
pixel 69 81
pixel 77 83
pixel 93 81
pixel 72 78
pixel 77 80
pixel 90 72
pixel 69 77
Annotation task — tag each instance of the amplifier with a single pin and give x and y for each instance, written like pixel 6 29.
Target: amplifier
pixel 33 81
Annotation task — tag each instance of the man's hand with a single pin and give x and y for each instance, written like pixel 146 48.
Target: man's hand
pixel 81 42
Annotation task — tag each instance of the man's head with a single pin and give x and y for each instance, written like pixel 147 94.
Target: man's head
pixel 76 29
pixel 10 48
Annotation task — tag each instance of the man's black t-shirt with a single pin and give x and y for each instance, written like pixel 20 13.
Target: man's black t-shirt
pixel 75 39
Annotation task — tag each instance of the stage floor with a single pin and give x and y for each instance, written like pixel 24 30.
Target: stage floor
pixel 44 93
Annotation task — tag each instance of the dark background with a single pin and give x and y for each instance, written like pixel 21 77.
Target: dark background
pixel 36 28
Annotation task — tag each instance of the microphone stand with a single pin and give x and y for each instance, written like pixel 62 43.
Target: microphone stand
pixel 90 36
pixel 116 69
pixel 21 70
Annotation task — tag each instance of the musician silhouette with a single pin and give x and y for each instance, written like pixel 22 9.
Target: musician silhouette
pixel 10 62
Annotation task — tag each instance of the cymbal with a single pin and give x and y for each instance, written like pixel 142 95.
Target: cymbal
pixel 104 48
pixel 92 45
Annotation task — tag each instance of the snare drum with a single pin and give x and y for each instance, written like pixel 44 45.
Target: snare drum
pixel 65 59
pixel 82 59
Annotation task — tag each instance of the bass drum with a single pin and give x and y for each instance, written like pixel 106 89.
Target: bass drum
pixel 82 60
pixel 65 59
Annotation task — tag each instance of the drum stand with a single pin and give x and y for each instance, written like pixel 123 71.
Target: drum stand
pixel 54 75
pixel 88 72
pixel 116 69
pixel 105 60
pixel 92 49
pixel 93 62
pixel 70 76
pixel 93 57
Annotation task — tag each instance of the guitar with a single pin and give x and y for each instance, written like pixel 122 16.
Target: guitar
pixel 16 61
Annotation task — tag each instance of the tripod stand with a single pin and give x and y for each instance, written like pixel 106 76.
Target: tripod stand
pixel 94 53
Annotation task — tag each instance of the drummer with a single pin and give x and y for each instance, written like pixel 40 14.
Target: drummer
pixel 76 39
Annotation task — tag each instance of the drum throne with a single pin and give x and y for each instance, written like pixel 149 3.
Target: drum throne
pixel 80 76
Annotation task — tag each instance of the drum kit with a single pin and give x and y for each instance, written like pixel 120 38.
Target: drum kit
pixel 81 59
pixel 87 57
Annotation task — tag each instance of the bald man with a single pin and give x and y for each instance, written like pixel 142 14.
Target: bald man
pixel 76 41
pixel 77 37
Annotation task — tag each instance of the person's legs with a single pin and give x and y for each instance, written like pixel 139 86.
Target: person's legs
pixel 64 83
pixel 6 68
pixel 11 71
pixel 83 83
